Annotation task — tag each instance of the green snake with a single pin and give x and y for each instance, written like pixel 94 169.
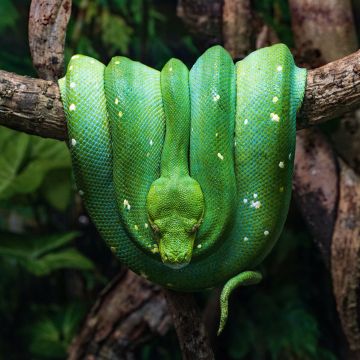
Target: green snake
pixel 186 174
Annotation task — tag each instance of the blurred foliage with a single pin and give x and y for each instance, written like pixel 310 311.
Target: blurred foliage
pixel 52 262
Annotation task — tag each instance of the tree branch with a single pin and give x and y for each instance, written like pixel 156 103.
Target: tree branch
pixel 34 106
pixel 128 312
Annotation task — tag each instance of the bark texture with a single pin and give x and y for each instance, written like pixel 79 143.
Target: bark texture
pixel 34 106
pixel 194 342
pixel 328 29
pixel 128 312
pixel 345 258
pixel 47 30
pixel 237 27
pixel 330 25
pixel 315 186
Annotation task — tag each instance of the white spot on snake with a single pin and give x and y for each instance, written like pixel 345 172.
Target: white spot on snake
pixel 127 205
pixel 146 225
pixel 116 101
pixel 73 142
pixel 216 97
pixel 75 57
pixel 274 117
pixel 170 68
pixel 246 121
pixel 81 193
pixel 151 143
pixel 72 85
pixel 155 249
pixel 235 143
pixel 221 157
pixel 255 204
pixel 281 164
pixel 71 67
pixel 92 61
pixel 148 154
pixel 192 129
pixel 281 189
pixel 136 227
pixel 275 99
pixel 169 284
pixel 199 246
pixel 246 238
pixel 245 201
pixel 72 107
pixel 290 156
pixel 255 196
pixel 117 62
pixel 120 114
pixel 113 249
pixel 279 68
pixel 266 233
pixel 217 134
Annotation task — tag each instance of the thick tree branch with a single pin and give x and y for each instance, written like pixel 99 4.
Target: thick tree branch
pixel 31 105
pixel 34 106
pixel 190 329
pixel 128 312
pixel 47 30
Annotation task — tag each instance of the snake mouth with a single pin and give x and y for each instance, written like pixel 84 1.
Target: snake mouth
pixel 175 262
pixel 176 266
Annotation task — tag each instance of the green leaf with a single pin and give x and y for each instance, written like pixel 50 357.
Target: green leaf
pixel 116 34
pixel 12 16
pixel 25 160
pixel 51 334
pixel 41 255
pixel 57 189
pixel 65 259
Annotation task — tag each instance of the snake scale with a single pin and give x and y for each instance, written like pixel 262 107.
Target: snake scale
pixel 186 174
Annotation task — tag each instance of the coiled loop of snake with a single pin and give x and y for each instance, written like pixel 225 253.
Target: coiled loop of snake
pixel 198 164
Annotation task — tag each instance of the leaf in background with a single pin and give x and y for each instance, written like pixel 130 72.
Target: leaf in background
pixel 25 160
pixel 57 189
pixel 116 34
pixel 11 18
pixel 50 336
pixel 41 255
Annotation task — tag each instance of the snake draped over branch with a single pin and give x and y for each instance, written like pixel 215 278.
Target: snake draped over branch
pixel 186 174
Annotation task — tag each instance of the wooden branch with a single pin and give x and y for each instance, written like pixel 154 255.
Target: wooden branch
pixel 128 312
pixel 331 91
pixel 236 27
pixel 47 30
pixel 187 324
pixel 34 106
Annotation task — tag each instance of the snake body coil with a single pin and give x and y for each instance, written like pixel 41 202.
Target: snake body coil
pixel 186 175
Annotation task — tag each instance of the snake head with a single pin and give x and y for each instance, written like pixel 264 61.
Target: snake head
pixel 175 208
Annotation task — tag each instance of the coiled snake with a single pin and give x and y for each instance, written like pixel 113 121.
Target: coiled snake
pixel 186 174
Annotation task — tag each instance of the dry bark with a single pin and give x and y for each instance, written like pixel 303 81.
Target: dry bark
pixel 237 27
pixel 47 30
pixel 128 312
pixel 316 186
pixel 328 30
pixel 34 106
pixel 323 30
pixel 194 342
pixel 345 257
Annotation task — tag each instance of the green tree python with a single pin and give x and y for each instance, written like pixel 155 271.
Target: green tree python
pixel 186 174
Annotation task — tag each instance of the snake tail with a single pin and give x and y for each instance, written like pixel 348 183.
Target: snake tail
pixel 243 279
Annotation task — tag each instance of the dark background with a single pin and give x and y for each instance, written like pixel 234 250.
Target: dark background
pixel 53 263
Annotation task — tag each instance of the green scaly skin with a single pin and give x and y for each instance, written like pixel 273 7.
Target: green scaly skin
pixel 196 166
